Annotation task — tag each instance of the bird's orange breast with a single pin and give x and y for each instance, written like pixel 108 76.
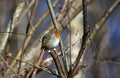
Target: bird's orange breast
pixel 57 34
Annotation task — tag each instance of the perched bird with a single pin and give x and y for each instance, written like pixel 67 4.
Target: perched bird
pixel 51 39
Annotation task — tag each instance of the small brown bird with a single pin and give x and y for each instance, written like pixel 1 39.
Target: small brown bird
pixel 51 39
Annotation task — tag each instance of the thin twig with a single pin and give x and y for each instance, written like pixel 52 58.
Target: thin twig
pixel 85 33
pixel 34 11
pixel 63 70
pixel 65 59
pixel 4 38
pixel 42 67
pixel 29 13
pixel 56 25
pixel 9 66
pixel 48 71
pixel 70 65
pixel 22 50
pixel 27 4
pixel 95 31
pixel 62 10
pixel 58 63
pixel 45 15
pixel 38 63
pixel 29 73
pixel 31 31
pixel 25 12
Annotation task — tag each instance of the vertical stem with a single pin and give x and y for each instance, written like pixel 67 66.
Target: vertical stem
pixel 58 63
pixel 53 17
pixel 56 25
pixel 86 31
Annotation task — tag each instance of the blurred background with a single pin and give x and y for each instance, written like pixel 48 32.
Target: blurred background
pixel 102 59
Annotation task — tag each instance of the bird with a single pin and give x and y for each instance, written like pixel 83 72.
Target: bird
pixel 51 39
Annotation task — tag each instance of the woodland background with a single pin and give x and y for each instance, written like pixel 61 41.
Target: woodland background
pixel 20 36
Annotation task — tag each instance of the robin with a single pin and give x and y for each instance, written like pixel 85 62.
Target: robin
pixel 51 39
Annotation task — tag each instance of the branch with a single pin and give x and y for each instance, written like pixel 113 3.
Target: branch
pixel 11 26
pixel 58 63
pixel 94 32
pixel 32 49
pixel 9 66
pixel 25 12
pixel 56 25
pixel 38 63
pixel 4 37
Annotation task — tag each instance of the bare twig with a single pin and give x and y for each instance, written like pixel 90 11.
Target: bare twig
pixel 16 23
pixel 38 63
pixel 36 25
pixel 85 33
pixel 11 26
pixel 25 12
pixel 58 63
pixel 64 10
pixel 34 11
pixel 43 65
pixel 45 15
pixel 9 66
pixel 4 38
pixel 56 25
pixel 16 15
pixel 31 14
pixel 69 65
pixel 30 32
pixel 48 71
pixel 96 29
pixel 74 9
